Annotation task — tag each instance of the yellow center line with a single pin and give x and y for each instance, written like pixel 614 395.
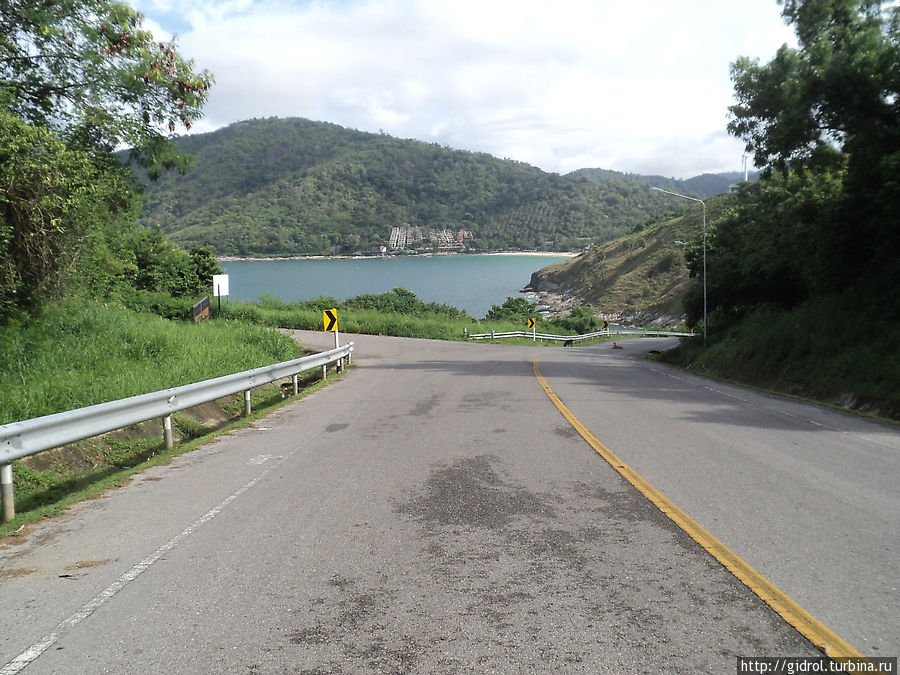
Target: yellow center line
pixel 810 627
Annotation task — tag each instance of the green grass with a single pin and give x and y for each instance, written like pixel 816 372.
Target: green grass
pixel 72 355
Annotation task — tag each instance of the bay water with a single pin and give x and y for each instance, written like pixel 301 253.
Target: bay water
pixel 472 283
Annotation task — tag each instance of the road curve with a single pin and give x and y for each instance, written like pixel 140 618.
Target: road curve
pixel 434 512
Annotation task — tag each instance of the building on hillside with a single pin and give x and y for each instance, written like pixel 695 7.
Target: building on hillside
pixel 418 237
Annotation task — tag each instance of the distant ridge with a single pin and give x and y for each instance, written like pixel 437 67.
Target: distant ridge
pixel 702 186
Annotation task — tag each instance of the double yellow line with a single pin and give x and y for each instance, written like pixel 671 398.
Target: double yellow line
pixel 810 627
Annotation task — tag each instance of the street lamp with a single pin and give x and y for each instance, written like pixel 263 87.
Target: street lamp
pixel 703 204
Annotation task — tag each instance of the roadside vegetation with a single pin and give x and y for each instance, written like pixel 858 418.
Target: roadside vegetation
pixel 400 313
pixel 803 269
pixel 50 481
pixel 808 351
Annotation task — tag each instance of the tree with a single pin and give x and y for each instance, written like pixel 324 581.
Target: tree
pixel 771 245
pixel 79 78
pixel 512 309
pixel 88 70
pixel 581 320
pixel 829 112
pixel 205 264
pixel 840 89
pixel 162 266
pixel 54 200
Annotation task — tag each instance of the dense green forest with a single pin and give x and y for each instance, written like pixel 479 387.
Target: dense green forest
pixel 825 120
pixel 280 187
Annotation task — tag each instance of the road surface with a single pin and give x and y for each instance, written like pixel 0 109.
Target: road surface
pixel 434 512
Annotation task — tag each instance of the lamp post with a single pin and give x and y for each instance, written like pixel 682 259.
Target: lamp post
pixel 703 204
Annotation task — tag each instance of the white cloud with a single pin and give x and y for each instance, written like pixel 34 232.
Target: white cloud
pixel 638 86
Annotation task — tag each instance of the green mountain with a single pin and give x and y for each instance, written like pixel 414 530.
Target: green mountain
pixel 640 277
pixel 282 187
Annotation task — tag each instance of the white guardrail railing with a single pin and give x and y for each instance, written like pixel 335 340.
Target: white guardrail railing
pixel 22 439
pixel 578 338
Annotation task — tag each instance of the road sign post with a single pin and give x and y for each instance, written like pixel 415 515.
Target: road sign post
pixel 330 320
pixel 220 288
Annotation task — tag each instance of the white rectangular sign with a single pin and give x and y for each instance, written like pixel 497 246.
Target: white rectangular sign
pixel 220 285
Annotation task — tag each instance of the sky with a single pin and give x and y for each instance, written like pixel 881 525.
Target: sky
pixel 640 86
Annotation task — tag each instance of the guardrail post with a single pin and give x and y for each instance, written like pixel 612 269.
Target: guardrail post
pixel 246 402
pixel 325 372
pixel 167 432
pixel 492 333
pixel 295 383
pixel 7 498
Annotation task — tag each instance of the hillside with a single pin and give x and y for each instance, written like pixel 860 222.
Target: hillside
pixel 640 277
pixel 281 187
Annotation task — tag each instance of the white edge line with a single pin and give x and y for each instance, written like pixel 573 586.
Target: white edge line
pixel 38 648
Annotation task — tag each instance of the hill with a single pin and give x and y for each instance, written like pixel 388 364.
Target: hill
pixel 640 277
pixel 282 187
pixel 703 186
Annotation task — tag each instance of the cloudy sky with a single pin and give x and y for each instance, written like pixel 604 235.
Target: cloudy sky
pixel 633 85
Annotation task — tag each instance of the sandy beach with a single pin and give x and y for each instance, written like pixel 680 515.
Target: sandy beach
pixel 561 254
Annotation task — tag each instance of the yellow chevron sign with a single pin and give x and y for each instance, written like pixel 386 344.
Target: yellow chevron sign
pixel 531 322
pixel 329 318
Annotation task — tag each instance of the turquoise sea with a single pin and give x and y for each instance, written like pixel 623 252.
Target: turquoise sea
pixel 470 282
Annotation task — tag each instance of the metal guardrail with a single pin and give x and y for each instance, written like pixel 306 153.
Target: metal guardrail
pixel 577 338
pixel 22 439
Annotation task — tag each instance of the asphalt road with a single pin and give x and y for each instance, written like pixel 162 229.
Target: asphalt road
pixel 434 512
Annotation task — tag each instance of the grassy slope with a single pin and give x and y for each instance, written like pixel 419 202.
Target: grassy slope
pixel 76 354
pixel 823 350
pixel 80 353
pixel 642 272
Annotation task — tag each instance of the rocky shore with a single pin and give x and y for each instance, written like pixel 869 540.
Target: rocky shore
pixel 553 299
pixel 558 300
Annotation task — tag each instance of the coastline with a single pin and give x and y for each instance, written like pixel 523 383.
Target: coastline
pixel 560 254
